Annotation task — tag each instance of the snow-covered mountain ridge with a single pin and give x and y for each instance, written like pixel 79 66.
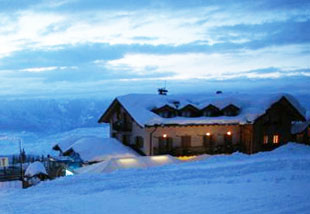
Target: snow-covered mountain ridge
pixel 49 115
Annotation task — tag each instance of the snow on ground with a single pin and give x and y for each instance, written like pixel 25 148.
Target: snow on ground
pixel 35 168
pixel 270 182
pixel 38 143
pixel 138 162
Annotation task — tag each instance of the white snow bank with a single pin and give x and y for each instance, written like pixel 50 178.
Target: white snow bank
pixel 91 149
pixel 292 149
pixel 67 139
pixel 128 163
pixel 35 168
pixel 10 184
pixel 269 182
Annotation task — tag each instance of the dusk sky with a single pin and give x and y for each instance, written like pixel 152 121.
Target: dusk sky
pixel 107 48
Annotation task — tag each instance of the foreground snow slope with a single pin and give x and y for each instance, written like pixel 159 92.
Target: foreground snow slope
pixel 273 182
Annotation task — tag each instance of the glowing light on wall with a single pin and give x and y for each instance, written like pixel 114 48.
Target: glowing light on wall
pixel 229 133
pixel 208 133
pixel 186 158
pixel 127 160
pixel 164 135
pixel 159 158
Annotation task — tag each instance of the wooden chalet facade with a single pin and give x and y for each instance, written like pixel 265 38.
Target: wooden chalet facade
pixel 266 132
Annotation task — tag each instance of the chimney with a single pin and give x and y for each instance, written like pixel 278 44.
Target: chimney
pixel 162 91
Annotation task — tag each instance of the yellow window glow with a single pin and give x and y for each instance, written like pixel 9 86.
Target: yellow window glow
pixel 127 160
pixel 265 139
pixel 275 139
pixel 186 158
pixel 159 158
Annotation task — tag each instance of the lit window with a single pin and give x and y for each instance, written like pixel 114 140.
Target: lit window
pixel 275 139
pixel 265 139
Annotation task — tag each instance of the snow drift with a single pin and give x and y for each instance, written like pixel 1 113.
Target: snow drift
pixel 94 149
pixel 268 182
pixel 35 168
pixel 128 163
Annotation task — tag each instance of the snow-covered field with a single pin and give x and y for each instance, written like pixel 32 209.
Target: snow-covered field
pixel 270 182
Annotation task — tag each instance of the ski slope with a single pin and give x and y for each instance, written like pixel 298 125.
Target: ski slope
pixel 270 182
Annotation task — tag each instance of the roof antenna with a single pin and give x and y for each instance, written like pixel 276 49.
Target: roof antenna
pixel 163 91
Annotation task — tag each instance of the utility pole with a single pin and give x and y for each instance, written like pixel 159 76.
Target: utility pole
pixel 21 161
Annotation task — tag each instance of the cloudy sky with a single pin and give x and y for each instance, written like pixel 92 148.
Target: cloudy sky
pixel 75 47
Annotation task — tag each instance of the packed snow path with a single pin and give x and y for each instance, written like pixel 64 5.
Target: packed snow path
pixel 270 182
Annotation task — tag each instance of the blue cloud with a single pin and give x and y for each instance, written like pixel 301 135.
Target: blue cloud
pixel 75 62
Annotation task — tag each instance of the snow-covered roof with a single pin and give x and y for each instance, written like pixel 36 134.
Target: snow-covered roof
pixel 92 149
pixel 35 168
pixel 140 107
pixel 299 127
pixel 128 163
pixel 65 143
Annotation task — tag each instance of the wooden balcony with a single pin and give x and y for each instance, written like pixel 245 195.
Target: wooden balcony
pixel 197 150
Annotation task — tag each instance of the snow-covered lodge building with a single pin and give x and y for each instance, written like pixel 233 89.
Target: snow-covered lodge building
pixel 195 124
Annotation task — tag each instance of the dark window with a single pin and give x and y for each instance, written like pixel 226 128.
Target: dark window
pixel 186 141
pixel 126 139
pixel 166 114
pixel 228 138
pixel 207 140
pixel 208 143
pixel 230 110
pixel 125 118
pixel 207 113
pixel 165 144
pixel 139 141
pixel 186 114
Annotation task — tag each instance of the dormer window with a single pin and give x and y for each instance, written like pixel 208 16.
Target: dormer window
pixel 207 113
pixel 210 111
pixel 189 111
pixel 230 110
pixel 166 114
pixel 166 111
pixel 186 114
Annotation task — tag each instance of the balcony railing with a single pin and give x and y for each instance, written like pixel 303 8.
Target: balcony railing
pixel 197 150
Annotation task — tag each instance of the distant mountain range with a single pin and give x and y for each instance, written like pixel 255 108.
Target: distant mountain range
pixel 50 115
